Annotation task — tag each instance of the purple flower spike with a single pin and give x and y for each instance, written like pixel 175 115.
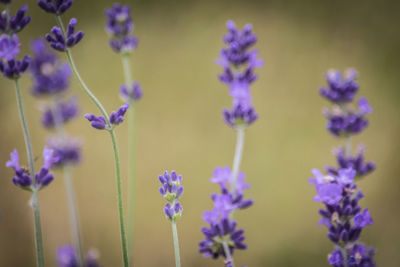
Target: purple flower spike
pixel 133 93
pixel 60 42
pixel 238 63
pixel 120 26
pixel 50 76
pixel 96 122
pixel 57 7
pixel 66 257
pixel 66 151
pixel 16 23
pixel 225 231
pixel 173 213
pixel 171 189
pixel 9 46
pixel 13 69
pixel 65 110
pixel 118 116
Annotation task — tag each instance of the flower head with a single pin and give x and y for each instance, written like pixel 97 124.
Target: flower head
pixel 63 112
pixel 98 123
pixel 13 68
pixel 50 76
pixel 67 257
pixel 171 188
pixel 173 212
pixel 59 42
pixel 16 23
pixel 133 92
pixel 117 117
pixel 9 46
pixel 340 90
pixel 57 7
pixel 66 150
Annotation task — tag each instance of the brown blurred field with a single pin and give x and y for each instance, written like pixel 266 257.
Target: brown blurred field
pixel 179 127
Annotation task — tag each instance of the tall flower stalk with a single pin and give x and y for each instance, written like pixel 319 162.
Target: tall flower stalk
pixel 119 27
pixel 238 63
pixel 171 190
pixel 338 189
pixel 63 39
pixel 13 68
pixel 51 81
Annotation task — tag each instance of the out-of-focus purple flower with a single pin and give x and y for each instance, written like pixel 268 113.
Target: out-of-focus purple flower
pixel 9 46
pixel 239 63
pixel 131 93
pixel 340 90
pixel 5 1
pixel 357 163
pixel 171 188
pixel 329 193
pixel 67 257
pixel 224 231
pixel 96 122
pixel 117 117
pixel 50 76
pixel 240 116
pixel 66 150
pixel 120 26
pixel 57 7
pixel 63 112
pixel 22 177
pixel 363 219
pixel 363 106
pixel 59 42
pixel 13 69
pixel 16 23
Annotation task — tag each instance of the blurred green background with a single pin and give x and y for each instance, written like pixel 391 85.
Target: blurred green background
pixel 179 127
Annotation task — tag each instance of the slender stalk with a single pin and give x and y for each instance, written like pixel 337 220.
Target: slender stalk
pixel 229 259
pixel 238 158
pixel 69 188
pixel 114 145
pixel 35 201
pixel 120 205
pixel 126 65
pixel 348 150
pixel 176 245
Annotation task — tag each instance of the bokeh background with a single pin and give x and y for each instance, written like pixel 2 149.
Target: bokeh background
pixel 179 127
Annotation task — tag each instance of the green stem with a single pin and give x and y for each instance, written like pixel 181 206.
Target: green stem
pixel 229 258
pixel 35 201
pixel 120 205
pixel 176 245
pixel 126 64
pixel 114 144
pixel 69 188
pixel 238 158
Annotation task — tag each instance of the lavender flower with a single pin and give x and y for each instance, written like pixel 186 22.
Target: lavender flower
pixel 171 189
pixel 57 7
pixel 15 23
pixel 173 213
pixel 66 150
pixel 9 46
pixel 116 118
pixel 50 76
pixel 22 177
pixel 14 68
pixel 216 234
pixel 65 110
pixel 66 257
pixel 238 65
pixel 120 26
pixel 61 43
pixel 337 190
pixel 133 92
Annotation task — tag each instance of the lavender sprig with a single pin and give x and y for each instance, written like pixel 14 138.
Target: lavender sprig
pixel 337 190
pixel 66 257
pixel 222 238
pixel 171 190
pixel 69 39
pixel 12 68
pixel 119 26
pixel 51 78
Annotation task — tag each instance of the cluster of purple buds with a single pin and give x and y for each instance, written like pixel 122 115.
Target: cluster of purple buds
pixel 13 24
pixel 340 90
pixel 22 176
pixel 59 42
pixel 57 7
pixel 116 117
pixel 50 76
pixel 171 190
pixel 357 163
pixel 120 26
pixel 219 217
pixel 238 63
pixel 131 93
pixel 342 215
pixel 66 257
pixel 63 112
